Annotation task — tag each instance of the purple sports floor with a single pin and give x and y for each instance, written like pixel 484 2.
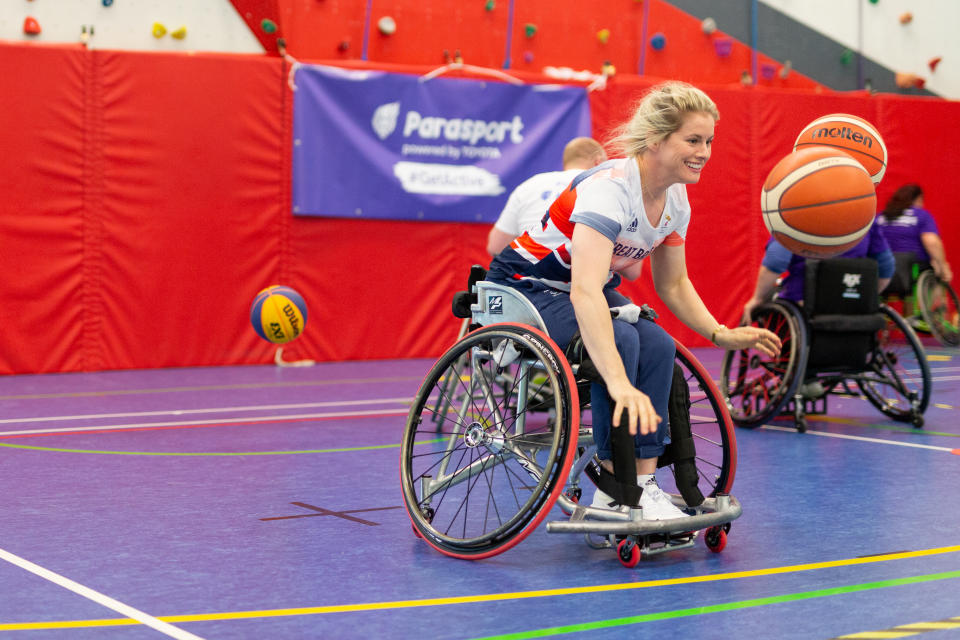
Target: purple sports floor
pixel 264 502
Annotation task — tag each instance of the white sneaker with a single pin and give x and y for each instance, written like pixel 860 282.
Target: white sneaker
pixel 656 504
pixel 603 501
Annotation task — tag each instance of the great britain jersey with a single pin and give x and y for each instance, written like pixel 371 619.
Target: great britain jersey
pixel 609 199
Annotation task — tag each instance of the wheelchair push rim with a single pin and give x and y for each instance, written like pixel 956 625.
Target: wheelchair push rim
pixel 939 308
pixel 481 477
pixel 756 386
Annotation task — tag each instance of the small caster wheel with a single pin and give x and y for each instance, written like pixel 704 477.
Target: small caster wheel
pixel 629 553
pixel 917 421
pixel 802 425
pixel 715 539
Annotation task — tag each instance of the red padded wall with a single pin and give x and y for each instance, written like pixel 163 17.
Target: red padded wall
pixel 147 200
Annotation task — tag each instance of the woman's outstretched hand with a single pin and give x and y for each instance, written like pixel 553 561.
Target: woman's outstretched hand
pixel 762 340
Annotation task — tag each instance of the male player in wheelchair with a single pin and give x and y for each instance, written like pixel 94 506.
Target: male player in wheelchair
pixel 601 228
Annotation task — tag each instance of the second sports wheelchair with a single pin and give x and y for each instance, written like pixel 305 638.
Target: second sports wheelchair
pixel 494 440
pixel 929 303
pixel 840 340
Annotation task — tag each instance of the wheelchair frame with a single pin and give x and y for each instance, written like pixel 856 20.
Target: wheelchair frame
pixel 924 291
pixel 798 381
pixel 494 440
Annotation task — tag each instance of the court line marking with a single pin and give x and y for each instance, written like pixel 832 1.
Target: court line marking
pixel 207 387
pixel 492 597
pixel 178 412
pixel 101 599
pixel 188 423
pixel 844 436
pixel 726 606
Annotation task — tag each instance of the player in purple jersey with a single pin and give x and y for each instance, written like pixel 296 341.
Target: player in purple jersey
pixel 908 227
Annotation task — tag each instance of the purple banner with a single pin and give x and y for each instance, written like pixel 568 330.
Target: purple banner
pixel 387 145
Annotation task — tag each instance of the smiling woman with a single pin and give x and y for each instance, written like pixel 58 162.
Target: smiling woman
pixel 599 229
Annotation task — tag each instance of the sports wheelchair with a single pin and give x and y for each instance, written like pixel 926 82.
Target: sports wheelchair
pixel 494 439
pixel 840 336
pixel 923 296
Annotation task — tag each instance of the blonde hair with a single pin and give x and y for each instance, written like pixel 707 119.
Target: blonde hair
pixel 658 114
pixel 583 153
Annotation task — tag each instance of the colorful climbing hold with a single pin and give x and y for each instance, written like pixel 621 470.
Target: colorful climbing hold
pixel 179 34
pixel 846 57
pixel 268 25
pixel 31 27
pixel 530 29
pixel 934 62
pixel 490 5
pixel 906 18
pixel 107 3
pixel 785 69
pixel 658 41
pixel 708 26
pixel 723 46
pixel 343 45
pixel 603 35
pixel 387 25
pixel 768 71
pixel 159 30
pixel 528 56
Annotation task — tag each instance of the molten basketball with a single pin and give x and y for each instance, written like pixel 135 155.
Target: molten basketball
pixel 818 202
pixel 278 314
pixel 854 135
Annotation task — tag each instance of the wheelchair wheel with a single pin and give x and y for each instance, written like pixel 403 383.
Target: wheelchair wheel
pixel 712 431
pixel 487 477
pixel 756 386
pixel 897 379
pixel 938 306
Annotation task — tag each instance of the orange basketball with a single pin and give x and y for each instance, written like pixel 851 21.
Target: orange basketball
pixel 854 135
pixel 818 202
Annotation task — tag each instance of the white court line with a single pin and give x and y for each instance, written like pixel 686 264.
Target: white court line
pixel 860 438
pixel 184 423
pixel 99 598
pixel 179 412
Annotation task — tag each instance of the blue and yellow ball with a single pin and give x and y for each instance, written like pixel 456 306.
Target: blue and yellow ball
pixel 278 314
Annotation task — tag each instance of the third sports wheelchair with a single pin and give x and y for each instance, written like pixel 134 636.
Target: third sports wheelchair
pixel 840 340
pixel 494 440
pixel 929 303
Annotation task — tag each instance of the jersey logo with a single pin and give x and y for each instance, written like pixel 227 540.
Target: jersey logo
pixel 633 225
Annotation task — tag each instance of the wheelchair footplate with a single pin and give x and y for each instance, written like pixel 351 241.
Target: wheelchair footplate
pixel 633 537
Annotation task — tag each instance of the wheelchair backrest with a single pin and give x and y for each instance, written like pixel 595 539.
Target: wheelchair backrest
pixel 841 286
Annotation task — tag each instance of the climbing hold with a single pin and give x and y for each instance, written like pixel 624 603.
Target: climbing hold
pixel 846 57
pixel 489 6
pixel 906 18
pixel 746 78
pixel 529 29
pixel 658 41
pixel 159 30
pixel 785 69
pixel 387 25
pixel 768 71
pixel 343 45
pixel 457 57
pixel 528 56
pixel 107 3
pixel 603 35
pixel 874 1
pixel 908 80
pixel 608 69
pixel 709 25
pixel 31 27
pixel 85 34
pixel 179 34
pixel 268 25
pixel 934 62
pixel 723 46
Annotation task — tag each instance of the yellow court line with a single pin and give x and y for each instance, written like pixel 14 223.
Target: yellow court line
pixel 490 597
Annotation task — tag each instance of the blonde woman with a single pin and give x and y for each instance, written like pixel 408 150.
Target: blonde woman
pixel 599 230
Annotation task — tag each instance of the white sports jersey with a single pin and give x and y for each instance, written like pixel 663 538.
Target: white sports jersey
pixel 528 203
pixel 607 198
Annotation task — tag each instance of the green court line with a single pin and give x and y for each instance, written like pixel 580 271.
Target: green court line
pixel 716 608
pixel 211 453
